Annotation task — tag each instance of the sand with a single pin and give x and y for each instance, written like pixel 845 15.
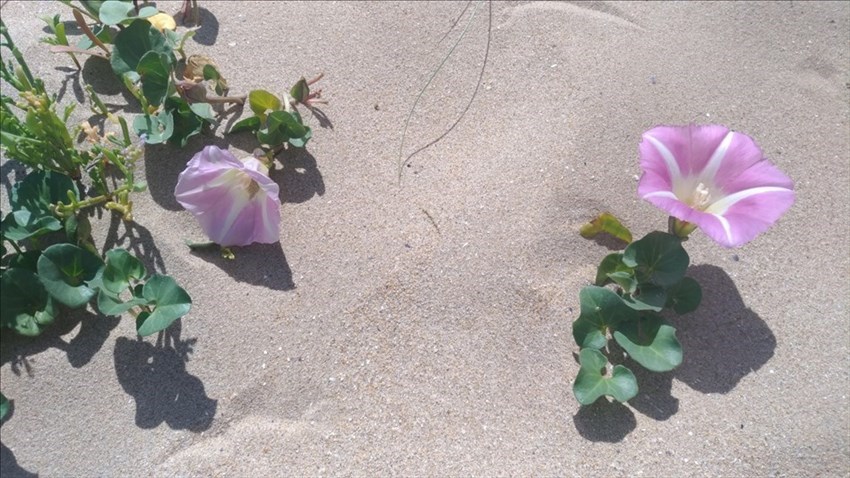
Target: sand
pixel 424 328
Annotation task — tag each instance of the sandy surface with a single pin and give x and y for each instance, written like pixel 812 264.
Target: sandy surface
pixel 424 329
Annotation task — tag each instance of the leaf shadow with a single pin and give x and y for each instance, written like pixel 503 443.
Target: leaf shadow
pixel 94 331
pixel 207 34
pixel 137 240
pixel 299 178
pixel 723 339
pixel 9 465
pixel 155 376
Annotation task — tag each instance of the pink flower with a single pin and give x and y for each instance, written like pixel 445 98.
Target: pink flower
pixel 235 201
pixel 714 178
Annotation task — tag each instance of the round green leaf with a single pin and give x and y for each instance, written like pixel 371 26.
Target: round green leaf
pixel 157 129
pixel 113 12
pixel 601 308
pixel 262 101
pixel 134 42
pixel 658 258
pixel 25 305
pixel 65 270
pixel 651 343
pixel 685 296
pixel 170 303
pixel 591 384
pixel 121 267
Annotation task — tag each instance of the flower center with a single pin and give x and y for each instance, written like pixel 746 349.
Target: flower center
pixel 701 198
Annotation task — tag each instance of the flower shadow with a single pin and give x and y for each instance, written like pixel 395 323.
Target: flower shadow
pixel 258 264
pixel 9 465
pixel 723 340
pixel 155 376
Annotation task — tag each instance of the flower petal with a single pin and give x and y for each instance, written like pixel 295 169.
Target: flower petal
pixel 235 203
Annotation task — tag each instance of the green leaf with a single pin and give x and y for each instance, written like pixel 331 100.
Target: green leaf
pixel 651 343
pixel 113 12
pixel 591 384
pixel 203 111
pixel 625 279
pixel 65 270
pixel 5 406
pixel 261 101
pixel 102 32
pixel 658 258
pixel 606 222
pixel 32 202
pixel 134 42
pixel 147 11
pixel 121 268
pixel 171 302
pixel 154 70
pixel 601 308
pixel 252 123
pixel 186 122
pixel 611 263
pixel 111 305
pixel 25 305
pixel 300 91
pixel 302 141
pixel 157 128
pixel 646 297
pixel 685 296
pixel 28 261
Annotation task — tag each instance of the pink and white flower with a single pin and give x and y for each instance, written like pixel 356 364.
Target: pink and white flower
pixel 234 201
pixel 714 178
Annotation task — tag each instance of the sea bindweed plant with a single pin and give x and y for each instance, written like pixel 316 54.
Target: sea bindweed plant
pixel 705 177
pixel 52 262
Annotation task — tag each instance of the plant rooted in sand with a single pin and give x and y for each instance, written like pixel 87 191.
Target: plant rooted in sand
pixel 704 176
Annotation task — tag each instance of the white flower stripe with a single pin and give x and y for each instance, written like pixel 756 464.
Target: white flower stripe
pixel 722 205
pixel 710 169
pixel 669 160
pixel 660 194
pixel 726 227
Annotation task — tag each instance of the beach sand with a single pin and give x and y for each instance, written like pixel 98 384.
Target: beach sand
pixel 422 327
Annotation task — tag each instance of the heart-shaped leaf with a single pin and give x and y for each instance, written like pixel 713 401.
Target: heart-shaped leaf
pixel 113 12
pixel 685 296
pixel 134 42
pixel 25 305
pixel 261 101
pixel 109 304
pixel 300 91
pixel 650 342
pixel 658 258
pixel 121 268
pixel 170 303
pixel 610 264
pixel 591 384
pixel 157 129
pixel 601 308
pixel 154 70
pixel 65 270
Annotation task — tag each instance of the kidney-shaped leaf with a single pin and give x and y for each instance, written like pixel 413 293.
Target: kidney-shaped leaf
pixel 600 308
pixel 591 384
pixel 134 42
pixel 169 300
pixel 153 68
pixel 65 270
pixel 121 267
pixel 651 343
pixel 262 101
pixel 25 305
pixel 658 258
